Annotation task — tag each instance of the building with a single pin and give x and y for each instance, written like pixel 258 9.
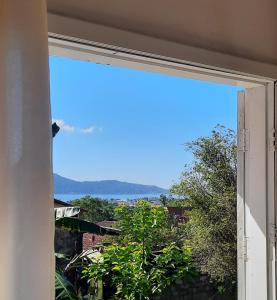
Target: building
pixel 67 242
pixel 91 240
pixel 73 234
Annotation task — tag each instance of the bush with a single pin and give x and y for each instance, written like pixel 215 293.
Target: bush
pixel 147 257
pixel 128 274
pixel 148 224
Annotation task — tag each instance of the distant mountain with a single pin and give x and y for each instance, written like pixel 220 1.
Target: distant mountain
pixel 68 186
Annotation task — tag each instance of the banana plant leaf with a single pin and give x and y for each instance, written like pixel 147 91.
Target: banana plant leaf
pixel 64 289
pixel 79 225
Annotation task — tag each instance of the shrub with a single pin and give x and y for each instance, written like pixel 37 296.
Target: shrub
pixel 128 274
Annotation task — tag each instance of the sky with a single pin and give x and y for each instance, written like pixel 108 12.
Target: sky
pixel 129 125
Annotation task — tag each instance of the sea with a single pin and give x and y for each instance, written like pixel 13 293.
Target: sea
pixel 121 197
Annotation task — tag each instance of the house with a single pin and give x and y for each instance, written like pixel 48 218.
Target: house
pixel 232 42
pixel 91 240
pixel 66 241
pixel 73 235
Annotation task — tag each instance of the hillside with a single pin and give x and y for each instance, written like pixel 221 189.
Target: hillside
pixel 68 186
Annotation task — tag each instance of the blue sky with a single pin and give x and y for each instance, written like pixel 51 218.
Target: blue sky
pixel 130 125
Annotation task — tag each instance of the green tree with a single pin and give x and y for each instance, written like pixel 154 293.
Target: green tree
pixel 95 209
pixel 169 200
pixel 163 199
pixel 125 275
pixel 147 224
pixel 142 223
pixel 209 186
pixel 147 257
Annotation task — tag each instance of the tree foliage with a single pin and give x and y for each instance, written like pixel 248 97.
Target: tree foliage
pixel 169 200
pixel 147 257
pixel 142 223
pixel 147 224
pixel 209 186
pixel 127 274
pixel 95 209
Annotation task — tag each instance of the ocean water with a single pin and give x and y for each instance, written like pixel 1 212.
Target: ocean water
pixel 69 197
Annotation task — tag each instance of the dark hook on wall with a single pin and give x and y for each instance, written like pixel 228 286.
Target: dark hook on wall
pixel 55 129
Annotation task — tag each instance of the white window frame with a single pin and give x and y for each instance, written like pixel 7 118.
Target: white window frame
pixel 256 233
pixel 108 54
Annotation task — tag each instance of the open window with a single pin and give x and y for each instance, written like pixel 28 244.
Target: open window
pixel 256 157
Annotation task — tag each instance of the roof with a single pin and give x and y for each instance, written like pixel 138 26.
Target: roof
pixel 62 203
pixel 107 223
pixel 79 225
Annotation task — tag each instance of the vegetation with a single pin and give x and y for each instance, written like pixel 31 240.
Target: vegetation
pixel 164 199
pixel 95 209
pixel 171 201
pixel 153 251
pixel 147 224
pixel 209 185
pixel 68 283
pixel 128 274
pixel 142 224
pixel 145 260
pixel 63 288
